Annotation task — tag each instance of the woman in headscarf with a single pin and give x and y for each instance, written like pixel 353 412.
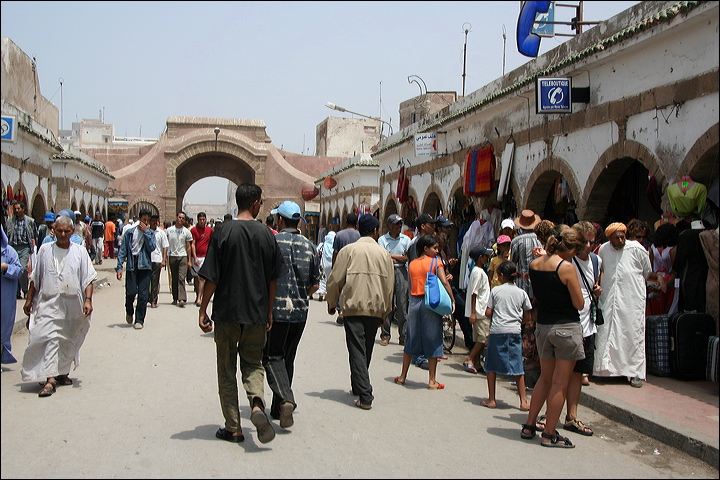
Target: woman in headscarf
pixel 326 252
pixel 11 271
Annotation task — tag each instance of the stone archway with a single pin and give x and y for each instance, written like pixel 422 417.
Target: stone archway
pixel 701 162
pixel 38 208
pixel 608 170
pixel 542 179
pixel 201 159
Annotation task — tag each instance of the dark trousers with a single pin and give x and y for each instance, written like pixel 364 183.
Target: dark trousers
pixel 178 268
pixel 155 282
pixel 279 361
pixel 400 306
pixel 137 283
pixel 360 338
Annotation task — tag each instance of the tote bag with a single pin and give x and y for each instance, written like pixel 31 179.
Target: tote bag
pixel 436 296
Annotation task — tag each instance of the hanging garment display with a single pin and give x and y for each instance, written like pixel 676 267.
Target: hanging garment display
pixel 480 171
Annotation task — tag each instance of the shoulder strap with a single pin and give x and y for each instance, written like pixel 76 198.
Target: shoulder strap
pixel 585 281
pixel 594 260
pixel 558 265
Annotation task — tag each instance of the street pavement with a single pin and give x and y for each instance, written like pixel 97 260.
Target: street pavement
pixel 144 404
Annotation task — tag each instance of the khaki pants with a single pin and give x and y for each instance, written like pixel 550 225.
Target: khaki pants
pixel 247 342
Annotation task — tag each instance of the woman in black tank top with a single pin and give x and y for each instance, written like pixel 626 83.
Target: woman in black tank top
pixel 558 333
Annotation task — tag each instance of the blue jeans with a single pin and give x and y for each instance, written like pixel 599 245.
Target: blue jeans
pixel 137 283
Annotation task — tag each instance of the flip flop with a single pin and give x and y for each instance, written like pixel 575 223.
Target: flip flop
pixel 397 380
pixel 440 386
pixel 470 367
pixel 485 403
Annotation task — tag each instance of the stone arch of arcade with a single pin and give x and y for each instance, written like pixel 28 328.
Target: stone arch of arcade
pixel 202 159
pixel 608 171
pixel 542 179
pixel 701 161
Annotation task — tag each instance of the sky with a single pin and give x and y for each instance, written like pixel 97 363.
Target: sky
pixel 137 63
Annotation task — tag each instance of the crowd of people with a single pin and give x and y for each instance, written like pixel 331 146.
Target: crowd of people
pixel 567 301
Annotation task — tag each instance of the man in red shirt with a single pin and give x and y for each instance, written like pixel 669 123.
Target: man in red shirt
pixel 201 234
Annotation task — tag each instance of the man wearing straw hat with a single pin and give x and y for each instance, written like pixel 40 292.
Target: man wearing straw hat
pixel 521 248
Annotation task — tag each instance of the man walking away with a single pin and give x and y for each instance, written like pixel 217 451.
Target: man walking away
pixel 136 251
pixel 290 310
pixel 344 237
pixel 241 268
pixel 97 231
pixel 362 279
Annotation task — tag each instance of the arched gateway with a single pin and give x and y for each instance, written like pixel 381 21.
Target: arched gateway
pixel 190 150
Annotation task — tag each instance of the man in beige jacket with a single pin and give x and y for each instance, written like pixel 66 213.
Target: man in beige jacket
pixel 362 279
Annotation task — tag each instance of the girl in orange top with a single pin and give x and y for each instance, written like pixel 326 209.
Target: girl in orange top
pixel 424 327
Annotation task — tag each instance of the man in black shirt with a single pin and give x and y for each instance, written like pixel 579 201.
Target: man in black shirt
pixel 241 268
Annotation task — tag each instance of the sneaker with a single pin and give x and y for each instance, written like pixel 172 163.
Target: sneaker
pixel 286 417
pixel 635 382
pixel 129 319
pixel 265 430
pixel 181 303
pixel 340 320
pixel 384 342
pixel 425 364
pixel 138 326
pixel 401 342
pixel 320 298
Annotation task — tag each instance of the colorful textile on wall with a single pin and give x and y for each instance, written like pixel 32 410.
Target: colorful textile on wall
pixel 480 172
pixel 402 186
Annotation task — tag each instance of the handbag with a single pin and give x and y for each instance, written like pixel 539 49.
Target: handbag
pixel 595 313
pixel 436 297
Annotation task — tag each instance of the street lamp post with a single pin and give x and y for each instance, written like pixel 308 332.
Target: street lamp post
pixel 341 109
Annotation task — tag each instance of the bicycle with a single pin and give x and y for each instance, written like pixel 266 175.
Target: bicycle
pixel 448 326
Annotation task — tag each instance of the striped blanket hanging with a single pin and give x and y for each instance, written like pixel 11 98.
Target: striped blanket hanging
pixel 480 172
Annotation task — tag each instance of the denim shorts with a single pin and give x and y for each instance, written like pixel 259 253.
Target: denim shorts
pixel 563 341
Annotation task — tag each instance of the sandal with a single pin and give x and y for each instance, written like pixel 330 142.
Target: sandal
pixel 470 367
pixel 531 428
pixel 64 380
pixel 397 380
pixel 540 423
pixel 48 389
pixel 577 426
pixel 555 441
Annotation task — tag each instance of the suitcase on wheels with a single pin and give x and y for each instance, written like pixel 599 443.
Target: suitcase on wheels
pixel 713 360
pixel 689 334
pixel 657 345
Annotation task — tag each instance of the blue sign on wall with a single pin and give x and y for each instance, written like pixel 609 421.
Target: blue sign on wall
pixel 553 95
pixel 543 25
pixel 9 127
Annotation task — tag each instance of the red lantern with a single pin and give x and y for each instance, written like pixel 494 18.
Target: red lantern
pixel 330 183
pixel 309 192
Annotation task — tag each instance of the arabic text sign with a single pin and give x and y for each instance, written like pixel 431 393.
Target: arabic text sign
pixel 425 144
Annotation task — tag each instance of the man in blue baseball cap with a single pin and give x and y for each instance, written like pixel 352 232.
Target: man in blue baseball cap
pixel 290 309
pixel 289 210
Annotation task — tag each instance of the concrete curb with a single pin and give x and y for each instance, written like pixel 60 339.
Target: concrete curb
pixel 671 433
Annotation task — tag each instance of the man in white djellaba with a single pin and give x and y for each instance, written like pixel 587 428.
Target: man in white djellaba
pixel 59 304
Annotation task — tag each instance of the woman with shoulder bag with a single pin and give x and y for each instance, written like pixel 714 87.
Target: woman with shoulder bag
pixel 559 334
pixel 424 327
